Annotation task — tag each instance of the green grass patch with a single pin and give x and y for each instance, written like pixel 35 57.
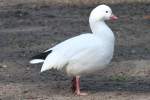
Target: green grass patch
pixel 119 78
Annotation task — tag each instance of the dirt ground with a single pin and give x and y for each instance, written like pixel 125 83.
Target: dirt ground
pixel 26 29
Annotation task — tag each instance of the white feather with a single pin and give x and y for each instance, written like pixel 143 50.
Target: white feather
pixel 87 52
pixel 35 61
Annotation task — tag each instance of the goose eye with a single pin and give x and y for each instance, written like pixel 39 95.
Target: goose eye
pixel 106 11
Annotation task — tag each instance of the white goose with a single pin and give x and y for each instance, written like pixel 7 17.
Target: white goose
pixel 85 53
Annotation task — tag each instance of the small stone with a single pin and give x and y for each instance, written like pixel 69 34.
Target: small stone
pixel 3 66
pixel 133 51
pixel 7 75
pixel 28 68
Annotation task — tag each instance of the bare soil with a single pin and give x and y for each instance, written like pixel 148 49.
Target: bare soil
pixel 26 29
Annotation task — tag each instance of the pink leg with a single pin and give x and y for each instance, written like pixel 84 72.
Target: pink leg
pixel 77 87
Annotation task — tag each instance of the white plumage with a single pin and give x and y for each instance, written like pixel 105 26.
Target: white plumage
pixel 79 55
pixel 85 53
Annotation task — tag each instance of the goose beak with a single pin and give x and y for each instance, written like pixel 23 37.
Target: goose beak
pixel 113 17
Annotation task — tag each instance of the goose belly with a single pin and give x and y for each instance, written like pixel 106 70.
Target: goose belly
pixel 89 62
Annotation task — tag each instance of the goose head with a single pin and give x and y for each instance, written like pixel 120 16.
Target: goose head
pixel 102 13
